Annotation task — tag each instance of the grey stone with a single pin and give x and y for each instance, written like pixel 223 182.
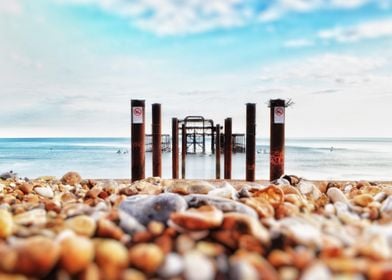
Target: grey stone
pixel 224 204
pixel 146 208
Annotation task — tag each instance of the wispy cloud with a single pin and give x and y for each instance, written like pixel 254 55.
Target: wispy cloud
pixel 168 17
pixel 279 8
pixel 298 43
pixel 172 17
pixel 365 30
pixel 325 68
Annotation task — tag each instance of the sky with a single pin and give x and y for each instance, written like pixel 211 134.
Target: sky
pixel 70 67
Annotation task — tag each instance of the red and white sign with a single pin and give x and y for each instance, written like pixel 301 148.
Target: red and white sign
pixel 137 115
pixel 279 115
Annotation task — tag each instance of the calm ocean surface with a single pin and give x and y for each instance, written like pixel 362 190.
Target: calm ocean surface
pixel 98 158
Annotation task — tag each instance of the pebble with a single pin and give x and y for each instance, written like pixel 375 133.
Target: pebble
pixel 6 223
pixel 44 191
pixel 146 257
pixel 225 191
pixel 129 224
pixel 272 194
pixel 242 270
pixel 204 217
pixel 301 231
pixel 132 274
pixel 173 266
pixel 145 208
pixel 77 252
pixel 82 225
pixel 37 256
pixel 200 187
pixel 335 195
pixel 317 271
pixel 245 224
pixel 112 257
pixel 71 178
pixel 223 204
pixel 363 200
pixel 198 266
pixel 36 217
pixel 386 206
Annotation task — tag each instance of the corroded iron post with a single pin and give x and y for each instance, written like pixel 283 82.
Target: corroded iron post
pixel 174 148
pixel 250 141
pixel 277 139
pixel 183 150
pixel 137 139
pixel 217 153
pixel 228 148
pixel 156 140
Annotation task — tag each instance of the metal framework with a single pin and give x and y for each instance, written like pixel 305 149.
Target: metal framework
pixel 165 143
pixel 197 130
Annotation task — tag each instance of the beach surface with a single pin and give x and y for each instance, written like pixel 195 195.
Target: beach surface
pixel 75 228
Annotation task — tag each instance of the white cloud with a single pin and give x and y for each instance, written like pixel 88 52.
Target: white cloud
pixel 279 8
pixel 334 94
pixel 323 69
pixel 11 7
pixel 366 30
pixel 168 17
pixel 172 17
pixel 298 43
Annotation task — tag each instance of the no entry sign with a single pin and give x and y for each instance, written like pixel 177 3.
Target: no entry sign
pixel 279 115
pixel 137 115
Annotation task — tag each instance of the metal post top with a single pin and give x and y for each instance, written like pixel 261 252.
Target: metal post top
pixel 277 102
pixel 137 102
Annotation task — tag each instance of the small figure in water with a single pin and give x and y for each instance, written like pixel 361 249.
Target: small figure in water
pixel 119 152
pixel 331 149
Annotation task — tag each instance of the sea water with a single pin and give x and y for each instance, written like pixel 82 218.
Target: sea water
pixel 346 159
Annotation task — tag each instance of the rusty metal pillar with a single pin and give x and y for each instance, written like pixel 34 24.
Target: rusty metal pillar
pixel 277 139
pixel 174 148
pixel 183 150
pixel 138 139
pixel 250 141
pixel 156 140
pixel 217 153
pixel 228 147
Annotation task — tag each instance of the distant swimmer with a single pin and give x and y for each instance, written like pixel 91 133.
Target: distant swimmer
pixel 119 152
pixel 331 149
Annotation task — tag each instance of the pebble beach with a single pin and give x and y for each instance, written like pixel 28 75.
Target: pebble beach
pixel 75 228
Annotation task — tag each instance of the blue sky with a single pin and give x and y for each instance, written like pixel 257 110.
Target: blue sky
pixel 70 67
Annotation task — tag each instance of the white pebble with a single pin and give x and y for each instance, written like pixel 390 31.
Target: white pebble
pixel 45 192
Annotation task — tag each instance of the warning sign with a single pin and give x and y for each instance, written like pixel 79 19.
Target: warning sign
pixel 137 115
pixel 279 115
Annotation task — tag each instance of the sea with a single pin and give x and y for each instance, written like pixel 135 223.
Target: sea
pixel 310 158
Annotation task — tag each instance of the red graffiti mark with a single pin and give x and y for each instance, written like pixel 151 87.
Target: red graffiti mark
pixel 277 158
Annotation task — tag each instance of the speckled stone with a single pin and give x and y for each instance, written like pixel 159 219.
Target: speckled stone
pixel 225 205
pixel 147 208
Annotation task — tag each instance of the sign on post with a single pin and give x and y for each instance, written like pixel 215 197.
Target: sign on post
pixel 137 115
pixel 279 115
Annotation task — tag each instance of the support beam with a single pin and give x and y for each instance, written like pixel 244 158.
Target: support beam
pixel 137 140
pixel 277 139
pixel 217 153
pixel 156 140
pixel 250 141
pixel 228 148
pixel 183 150
pixel 175 148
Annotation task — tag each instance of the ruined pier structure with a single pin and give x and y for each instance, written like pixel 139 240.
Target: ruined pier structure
pixel 199 134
